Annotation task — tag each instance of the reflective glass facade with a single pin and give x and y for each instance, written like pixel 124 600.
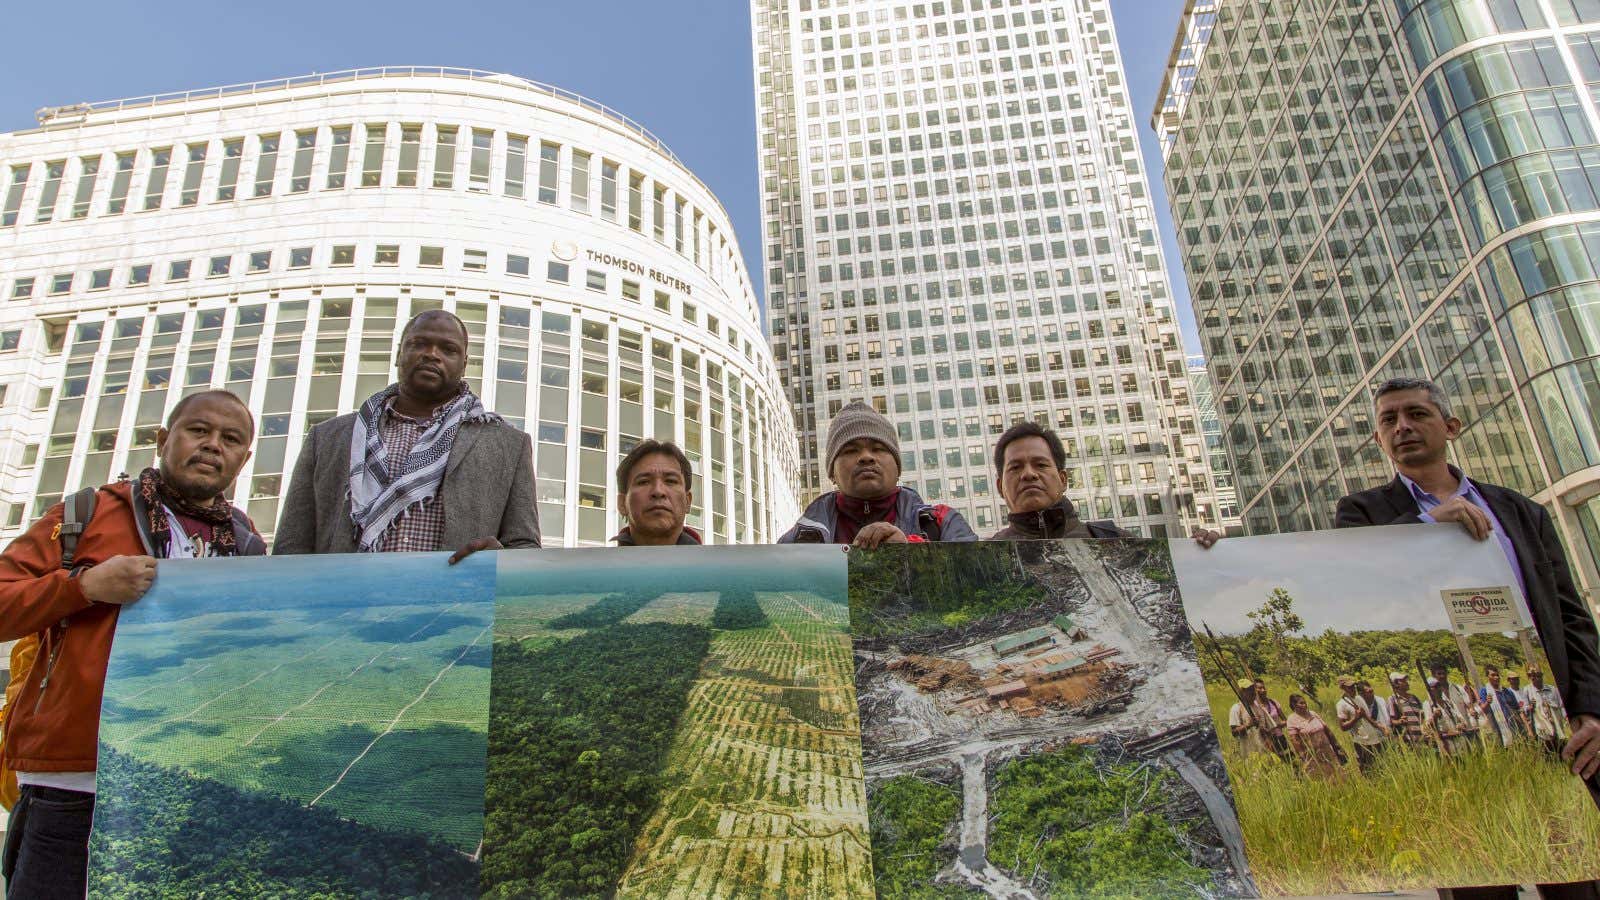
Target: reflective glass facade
pixel 1370 189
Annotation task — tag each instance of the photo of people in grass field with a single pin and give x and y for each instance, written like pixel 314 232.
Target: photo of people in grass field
pixel 1394 726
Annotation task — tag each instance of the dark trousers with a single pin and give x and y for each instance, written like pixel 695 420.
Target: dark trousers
pixel 1578 890
pixel 47 845
pixel 1367 756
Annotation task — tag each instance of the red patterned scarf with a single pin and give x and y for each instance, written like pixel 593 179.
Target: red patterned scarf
pixel 158 497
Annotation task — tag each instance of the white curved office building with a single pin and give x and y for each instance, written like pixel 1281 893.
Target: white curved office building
pixel 272 238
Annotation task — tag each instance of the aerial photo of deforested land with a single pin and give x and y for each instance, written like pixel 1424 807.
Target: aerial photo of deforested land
pixel 297 727
pixel 674 722
pixel 1034 725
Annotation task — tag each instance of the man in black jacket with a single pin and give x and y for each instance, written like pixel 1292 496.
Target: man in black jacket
pixel 1030 465
pixel 1415 428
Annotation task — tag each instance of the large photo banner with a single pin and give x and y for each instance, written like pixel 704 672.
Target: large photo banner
pixel 1386 712
pixel 1289 715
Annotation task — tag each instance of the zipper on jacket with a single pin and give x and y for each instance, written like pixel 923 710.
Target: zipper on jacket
pixel 50 662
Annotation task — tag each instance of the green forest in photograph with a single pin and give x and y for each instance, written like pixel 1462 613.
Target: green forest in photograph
pixel 307 728
pixel 691 733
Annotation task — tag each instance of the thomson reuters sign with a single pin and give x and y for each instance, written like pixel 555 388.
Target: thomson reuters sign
pixel 1482 610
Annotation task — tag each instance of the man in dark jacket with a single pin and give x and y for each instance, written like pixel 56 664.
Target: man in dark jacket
pixel 870 508
pixel 1031 464
pixel 69 607
pixel 1415 428
pixel 654 493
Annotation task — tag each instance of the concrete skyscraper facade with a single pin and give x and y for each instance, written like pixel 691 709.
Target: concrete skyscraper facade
pixel 1372 189
pixel 957 228
pixel 273 238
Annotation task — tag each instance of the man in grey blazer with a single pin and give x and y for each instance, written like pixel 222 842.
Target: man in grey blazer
pixel 421 466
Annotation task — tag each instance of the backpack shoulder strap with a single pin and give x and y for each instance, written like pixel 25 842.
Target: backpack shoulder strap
pixel 75 515
pixel 931 521
pixel 243 526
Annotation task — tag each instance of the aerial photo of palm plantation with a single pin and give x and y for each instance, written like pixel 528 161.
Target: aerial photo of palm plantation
pixel 312 727
pixel 684 726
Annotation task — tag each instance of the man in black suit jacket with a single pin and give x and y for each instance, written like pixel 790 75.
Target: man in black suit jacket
pixel 1414 428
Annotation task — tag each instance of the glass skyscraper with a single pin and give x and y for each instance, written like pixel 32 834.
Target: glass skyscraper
pixel 1371 189
pixel 957 228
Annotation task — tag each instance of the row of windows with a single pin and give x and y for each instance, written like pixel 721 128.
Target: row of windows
pixel 261 262
pixel 383 155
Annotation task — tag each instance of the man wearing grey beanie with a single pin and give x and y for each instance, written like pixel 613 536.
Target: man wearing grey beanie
pixel 870 507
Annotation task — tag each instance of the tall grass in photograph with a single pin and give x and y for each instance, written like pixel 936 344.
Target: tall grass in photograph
pixel 1496 816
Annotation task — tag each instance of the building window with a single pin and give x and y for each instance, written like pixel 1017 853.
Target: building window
pixel 580 181
pixel 120 182
pixel 267 165
pixel 410 153
pixel 51 190
pixel 189 193
pixel 431 257
pixel 549 161
pixel 157 184
pixel 88 174
pixel 10 340
pixel 300 258
pixel 478 164
pixel 178 270
pixel 608 190
pixel 595 280
pixel 516 164
pixel 22 288
pixel 664 301
pixel 630 290
pixel 558 272
pixel 386 255
pixel 658 212
pixel 372 157
pixel 339 157
pixel 99 279
pixel 260 261
pixel 139 275
pixel 636 202
pixel 516 265
pixel 19 183
pixel 305 147
pixel 219 266
pixel 344 255
pixel 61 284
pixel 444 158
pixel 475 260
pixel 228 178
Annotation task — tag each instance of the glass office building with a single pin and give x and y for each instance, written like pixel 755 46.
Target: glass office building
pixel 1371 189
pixel 957 228
pixel 273 238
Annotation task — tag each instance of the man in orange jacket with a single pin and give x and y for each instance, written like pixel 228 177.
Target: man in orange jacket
pixel 176 510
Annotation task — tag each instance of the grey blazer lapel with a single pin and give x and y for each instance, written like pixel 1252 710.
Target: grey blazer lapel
pixel 466 439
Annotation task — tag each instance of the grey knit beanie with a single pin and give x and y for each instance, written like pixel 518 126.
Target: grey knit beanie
pixel 858 420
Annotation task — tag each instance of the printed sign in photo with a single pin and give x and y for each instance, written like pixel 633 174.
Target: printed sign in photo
pixel 1482 610
pixel 1387 721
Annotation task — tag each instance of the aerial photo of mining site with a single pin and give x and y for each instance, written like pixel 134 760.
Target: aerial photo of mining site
pixel 1034 725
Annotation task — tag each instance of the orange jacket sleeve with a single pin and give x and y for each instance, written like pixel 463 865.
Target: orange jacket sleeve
pixel 35 592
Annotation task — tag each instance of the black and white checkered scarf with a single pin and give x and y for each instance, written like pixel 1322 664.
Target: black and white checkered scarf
pixel 382 489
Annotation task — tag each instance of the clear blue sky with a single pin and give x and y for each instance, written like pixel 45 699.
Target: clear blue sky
pixel 680 68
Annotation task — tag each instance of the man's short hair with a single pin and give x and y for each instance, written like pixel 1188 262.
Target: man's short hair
pixel 1023 429
pixel 645 448
pixel 1494 669
pixel 183 404
pixel 466 336
pixel 1436 394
